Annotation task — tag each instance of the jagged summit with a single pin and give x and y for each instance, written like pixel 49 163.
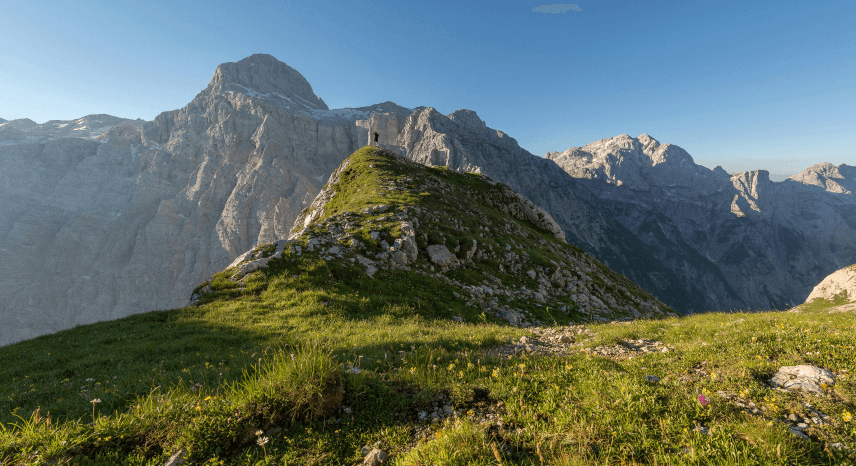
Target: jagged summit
pixel 840 179
pixel 264 74
pixel 467 117
pixel 638 163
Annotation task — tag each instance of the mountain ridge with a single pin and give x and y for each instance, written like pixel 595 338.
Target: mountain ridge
pixel 139 214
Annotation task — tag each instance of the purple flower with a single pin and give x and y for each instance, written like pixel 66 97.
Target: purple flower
pixel 703 400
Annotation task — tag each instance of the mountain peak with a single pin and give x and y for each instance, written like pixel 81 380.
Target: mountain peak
pixel 264 74
pixel 840 179
pixel 467 117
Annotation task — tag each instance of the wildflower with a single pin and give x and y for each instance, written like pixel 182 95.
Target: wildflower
pixel 470 365
pixel 262 441
pixel 703 400
pixel 90 379
pixel 495 373
pixel 412 370
pixel 96 400
pixel 258 433
pixel 451 366
pixel 846 416
pixel 461 374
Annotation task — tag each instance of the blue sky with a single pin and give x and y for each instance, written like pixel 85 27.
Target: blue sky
pixel 745 85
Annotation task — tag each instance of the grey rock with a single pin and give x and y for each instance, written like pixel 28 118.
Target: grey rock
pixel 798 433
pixel 177 458
pixel 652 379
pixel 840 281
pixel 375 457
pixel 803 377
pixel 139 215
pixel 92 127
pixel 440 255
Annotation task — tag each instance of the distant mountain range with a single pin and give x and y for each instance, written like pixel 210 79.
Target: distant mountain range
pixel 103 217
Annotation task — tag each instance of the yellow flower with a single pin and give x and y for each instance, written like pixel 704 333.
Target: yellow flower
pixel 495 373
pixel 847 416
pixel 412 370
pixel 461 374
pixel 451 366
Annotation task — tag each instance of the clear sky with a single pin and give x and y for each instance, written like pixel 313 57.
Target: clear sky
pixel 742 84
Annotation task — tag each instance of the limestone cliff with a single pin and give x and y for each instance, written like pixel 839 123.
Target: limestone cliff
pixel 131 220
pixel 837 283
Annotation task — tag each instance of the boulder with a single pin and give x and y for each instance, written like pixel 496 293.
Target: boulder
pixel 803 377
pixel 440 255
pixel 376 457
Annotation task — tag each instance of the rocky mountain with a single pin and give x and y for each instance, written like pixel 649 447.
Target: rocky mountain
pixel 103 217
pixel 698 239
pixel 841 282
pixel 95 229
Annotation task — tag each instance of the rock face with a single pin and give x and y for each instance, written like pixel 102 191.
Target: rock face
pixel 698 239
pixel 100 228
pixel 842 281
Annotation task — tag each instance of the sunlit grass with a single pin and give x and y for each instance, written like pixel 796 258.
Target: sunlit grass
pixel 313 361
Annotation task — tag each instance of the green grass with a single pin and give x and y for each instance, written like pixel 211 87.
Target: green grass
pixel 208 378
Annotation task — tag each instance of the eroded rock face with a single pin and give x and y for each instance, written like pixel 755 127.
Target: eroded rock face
pixel 841 281
pixel 133 220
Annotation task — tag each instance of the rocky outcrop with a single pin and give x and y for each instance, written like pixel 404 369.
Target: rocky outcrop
pixel 841 282
pixel 698 239
pixel 131 220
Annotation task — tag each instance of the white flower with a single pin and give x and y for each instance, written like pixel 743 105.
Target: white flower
pixel 97 400
pixel 90 380
pixel 258 433
pixel 262 440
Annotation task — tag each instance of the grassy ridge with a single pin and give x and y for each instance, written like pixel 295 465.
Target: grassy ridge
pixel 311 360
